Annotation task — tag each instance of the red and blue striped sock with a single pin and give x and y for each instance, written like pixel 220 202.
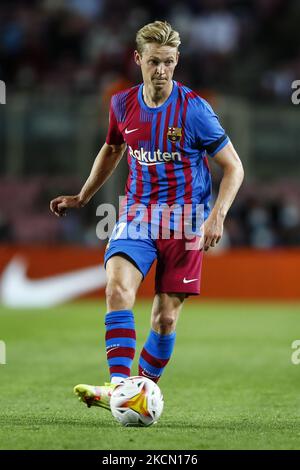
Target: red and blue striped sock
pixel 156 354
pixel 120 342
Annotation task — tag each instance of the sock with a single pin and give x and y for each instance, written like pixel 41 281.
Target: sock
pixel 120 342
pixel 156 354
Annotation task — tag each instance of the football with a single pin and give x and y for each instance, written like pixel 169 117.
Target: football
pixel 137 401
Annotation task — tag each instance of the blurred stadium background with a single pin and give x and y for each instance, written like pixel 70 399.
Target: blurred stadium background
pixel 61 61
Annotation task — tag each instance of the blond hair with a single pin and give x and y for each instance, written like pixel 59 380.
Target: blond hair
pixel 159 32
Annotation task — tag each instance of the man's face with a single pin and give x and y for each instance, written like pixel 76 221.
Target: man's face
pixel 157 64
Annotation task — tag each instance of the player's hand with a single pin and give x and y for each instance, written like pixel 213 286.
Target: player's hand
pixel 60 204
pixel 213 230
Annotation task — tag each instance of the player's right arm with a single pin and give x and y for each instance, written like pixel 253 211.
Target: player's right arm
pixel 104 165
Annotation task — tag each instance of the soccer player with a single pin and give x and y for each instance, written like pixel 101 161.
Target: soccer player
pixel 168 131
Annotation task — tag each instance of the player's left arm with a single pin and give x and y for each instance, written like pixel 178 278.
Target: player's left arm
pixel 233 175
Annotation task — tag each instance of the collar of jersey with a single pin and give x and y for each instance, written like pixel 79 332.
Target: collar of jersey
pixel 164 105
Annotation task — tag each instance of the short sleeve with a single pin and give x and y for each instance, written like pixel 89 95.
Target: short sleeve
pixel 210 133
pixel 114 136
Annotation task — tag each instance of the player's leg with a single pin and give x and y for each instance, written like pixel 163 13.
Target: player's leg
pixel 165 312
pixel 123 281
pixel 127 262
pixel 177 276
pixel 159 345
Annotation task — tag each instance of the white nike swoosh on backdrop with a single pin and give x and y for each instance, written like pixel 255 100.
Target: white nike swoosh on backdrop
pixel 17 290
pixel 132 130
pixel 187 281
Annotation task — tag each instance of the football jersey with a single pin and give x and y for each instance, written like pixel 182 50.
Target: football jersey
pixel 167 146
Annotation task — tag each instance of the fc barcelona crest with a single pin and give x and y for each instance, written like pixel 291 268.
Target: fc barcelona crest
pixel 174 134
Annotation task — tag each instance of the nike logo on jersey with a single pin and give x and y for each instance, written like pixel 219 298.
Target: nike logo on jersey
pixel 131 130
pixel 187 281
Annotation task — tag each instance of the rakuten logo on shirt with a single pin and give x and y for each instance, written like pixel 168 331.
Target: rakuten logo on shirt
pixel 154 158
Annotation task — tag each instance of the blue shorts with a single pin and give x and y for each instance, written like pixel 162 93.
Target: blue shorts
pixel 142 252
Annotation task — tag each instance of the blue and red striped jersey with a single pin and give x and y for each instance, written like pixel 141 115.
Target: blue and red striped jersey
pixel 167 146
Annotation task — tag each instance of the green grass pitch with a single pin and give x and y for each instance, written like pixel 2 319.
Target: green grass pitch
pixel 230 384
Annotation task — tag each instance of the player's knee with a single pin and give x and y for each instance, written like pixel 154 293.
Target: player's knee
pixel 119 296
pixel 164 324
